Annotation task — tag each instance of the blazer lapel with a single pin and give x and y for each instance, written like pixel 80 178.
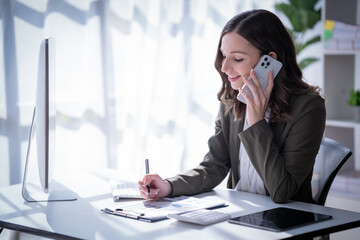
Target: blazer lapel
pixel 236 128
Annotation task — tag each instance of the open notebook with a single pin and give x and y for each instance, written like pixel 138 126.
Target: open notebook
pixel 124 189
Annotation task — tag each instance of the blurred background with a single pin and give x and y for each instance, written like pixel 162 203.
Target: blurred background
pixel 135 79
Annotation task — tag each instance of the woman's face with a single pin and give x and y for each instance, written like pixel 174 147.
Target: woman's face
pixel 239 57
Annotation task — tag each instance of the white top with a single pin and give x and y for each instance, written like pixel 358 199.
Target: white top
pixel 250 181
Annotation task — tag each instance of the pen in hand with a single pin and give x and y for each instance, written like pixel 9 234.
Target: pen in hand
pixel 147 172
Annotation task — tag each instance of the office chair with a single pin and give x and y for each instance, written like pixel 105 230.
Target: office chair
pixel 331 157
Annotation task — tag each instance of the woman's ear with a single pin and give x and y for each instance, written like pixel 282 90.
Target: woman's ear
pixel 272 54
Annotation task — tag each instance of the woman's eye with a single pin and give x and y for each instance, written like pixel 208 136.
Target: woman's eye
pixel 238 59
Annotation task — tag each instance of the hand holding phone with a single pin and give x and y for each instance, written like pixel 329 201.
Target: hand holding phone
pixel 262 70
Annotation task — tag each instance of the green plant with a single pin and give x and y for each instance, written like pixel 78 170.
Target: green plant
pixel 354 99
pixel 303 16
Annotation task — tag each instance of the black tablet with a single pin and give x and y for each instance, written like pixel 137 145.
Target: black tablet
pixel 279 219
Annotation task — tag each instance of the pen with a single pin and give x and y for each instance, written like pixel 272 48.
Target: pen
pixel 147 172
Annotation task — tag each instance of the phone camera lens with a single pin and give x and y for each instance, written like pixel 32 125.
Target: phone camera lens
pixel 268 63
pixel 266 59
pixel 262 64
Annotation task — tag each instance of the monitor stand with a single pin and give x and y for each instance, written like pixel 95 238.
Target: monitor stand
pixel 33 192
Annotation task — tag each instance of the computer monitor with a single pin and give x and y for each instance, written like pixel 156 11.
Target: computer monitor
pixel 42 133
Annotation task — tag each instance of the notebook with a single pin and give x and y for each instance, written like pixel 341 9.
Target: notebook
pixel 122 189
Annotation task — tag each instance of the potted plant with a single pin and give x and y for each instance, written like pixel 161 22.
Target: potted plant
pixel 354 101
pixel 303 15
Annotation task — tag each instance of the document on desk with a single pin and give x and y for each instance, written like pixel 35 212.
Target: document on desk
pixel 155 210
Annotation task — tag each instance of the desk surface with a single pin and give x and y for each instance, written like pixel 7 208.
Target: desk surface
pixel 83 219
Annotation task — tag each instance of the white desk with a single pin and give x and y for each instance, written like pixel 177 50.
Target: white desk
pixel 83 219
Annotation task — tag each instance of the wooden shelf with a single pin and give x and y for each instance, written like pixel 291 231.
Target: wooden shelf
pixel 340 52
pixel 347 123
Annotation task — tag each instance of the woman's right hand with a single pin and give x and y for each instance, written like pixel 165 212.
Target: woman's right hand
pixel 159 188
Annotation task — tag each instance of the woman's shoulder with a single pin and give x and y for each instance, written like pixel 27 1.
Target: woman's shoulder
pixel 308 98
pixel 307 101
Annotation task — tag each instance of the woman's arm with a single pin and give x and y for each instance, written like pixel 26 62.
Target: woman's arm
pixel 284 170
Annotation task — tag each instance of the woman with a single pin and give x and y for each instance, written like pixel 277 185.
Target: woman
pixel 269 145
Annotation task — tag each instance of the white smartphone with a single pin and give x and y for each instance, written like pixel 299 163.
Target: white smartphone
pixel 262 70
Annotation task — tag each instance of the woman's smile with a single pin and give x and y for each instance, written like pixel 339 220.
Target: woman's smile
pixel 233 78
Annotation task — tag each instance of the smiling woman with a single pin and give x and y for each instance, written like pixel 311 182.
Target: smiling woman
pixel 269 144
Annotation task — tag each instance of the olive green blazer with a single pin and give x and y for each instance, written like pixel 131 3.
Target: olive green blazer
pixel 282 153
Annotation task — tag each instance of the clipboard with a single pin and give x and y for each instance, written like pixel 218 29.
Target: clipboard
pixel 128 214
pixel 157 210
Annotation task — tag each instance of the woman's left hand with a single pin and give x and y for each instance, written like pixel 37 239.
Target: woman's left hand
pixel 257 106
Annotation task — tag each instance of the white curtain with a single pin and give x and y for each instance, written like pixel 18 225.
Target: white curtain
pixel 135 79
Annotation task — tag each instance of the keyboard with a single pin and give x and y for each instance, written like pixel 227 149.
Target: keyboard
pixel 124 189
pixel 201 216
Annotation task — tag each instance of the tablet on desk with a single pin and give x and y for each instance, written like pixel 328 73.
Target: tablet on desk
pixel 279 219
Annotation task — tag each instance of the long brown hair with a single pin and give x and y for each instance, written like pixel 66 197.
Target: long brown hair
pixel 266 32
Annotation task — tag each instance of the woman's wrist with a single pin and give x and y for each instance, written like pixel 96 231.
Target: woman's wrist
pixel 170 187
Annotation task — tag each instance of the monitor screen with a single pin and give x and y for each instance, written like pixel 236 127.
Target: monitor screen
pixel 43 130
pixel 45 119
